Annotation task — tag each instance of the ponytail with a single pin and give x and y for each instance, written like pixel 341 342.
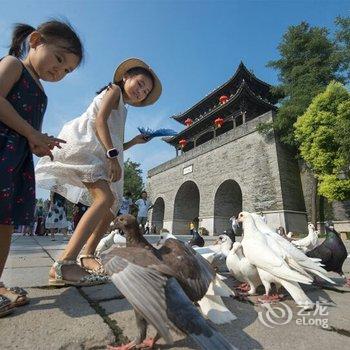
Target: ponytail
pixel 54 32
pixel 19 43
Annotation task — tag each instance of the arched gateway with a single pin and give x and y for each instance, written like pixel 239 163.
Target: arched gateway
pixel 224 165
pixel 227 203
pixel 158 213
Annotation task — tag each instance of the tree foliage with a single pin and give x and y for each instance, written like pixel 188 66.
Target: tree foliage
pixel 309 60
pixel 323 132
pixel 133 179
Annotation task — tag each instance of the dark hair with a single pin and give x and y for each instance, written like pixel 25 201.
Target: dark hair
pixel 143 192
pixel 51 31
pixel 131 73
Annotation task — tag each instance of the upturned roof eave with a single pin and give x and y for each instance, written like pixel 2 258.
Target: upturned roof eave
pixel 238 70
pixel 243 88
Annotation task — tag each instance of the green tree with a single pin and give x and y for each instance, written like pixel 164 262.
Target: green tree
pixel 133 179
pixel 342 40
pixel 309 61
pixel 323 133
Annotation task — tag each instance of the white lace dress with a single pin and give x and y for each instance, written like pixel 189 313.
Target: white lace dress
pixel 83 158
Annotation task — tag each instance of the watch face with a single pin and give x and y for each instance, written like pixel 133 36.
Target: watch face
pixel 112 153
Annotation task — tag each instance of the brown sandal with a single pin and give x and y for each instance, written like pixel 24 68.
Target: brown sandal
pixel 5 306
pixel 17 295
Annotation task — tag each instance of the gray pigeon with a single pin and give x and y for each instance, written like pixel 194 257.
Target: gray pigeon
pixel 331 251
pixel 160 294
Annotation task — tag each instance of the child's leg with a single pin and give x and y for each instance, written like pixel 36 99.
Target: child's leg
pixel 103 200
pixel 64 232
pixel 52 233
pixel 93 241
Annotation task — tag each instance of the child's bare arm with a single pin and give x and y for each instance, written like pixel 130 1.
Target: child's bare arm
pixel 40 144
pixel 110 101
pixel 10 71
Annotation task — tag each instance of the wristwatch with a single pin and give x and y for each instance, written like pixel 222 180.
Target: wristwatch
pixel 112 153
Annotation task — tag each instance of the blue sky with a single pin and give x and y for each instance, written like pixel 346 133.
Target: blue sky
pixel 194 46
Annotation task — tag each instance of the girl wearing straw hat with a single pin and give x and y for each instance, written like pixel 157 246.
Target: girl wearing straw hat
pixel 89 167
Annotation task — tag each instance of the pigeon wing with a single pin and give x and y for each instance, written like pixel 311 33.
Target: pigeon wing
pixel 191 270
pixel 144 288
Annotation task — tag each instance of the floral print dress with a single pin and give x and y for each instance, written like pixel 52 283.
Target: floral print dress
pixel 17 185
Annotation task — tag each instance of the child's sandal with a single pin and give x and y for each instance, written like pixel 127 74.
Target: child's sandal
pixel 88 280
pixel 99 271
pixel 5 306
pixel 17 295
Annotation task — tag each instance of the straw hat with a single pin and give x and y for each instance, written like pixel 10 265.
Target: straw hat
pixel 126 65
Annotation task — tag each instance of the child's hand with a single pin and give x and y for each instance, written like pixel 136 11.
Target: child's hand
pixel 141 139
pixel 42 144
pixel 115 171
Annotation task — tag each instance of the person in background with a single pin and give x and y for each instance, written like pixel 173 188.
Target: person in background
pixel 56 218
pixel 263 217
pixel 39 217
pixel 144 205
pixel 126 204
pixel 79 210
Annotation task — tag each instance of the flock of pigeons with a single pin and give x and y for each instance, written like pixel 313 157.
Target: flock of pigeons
pixel 166 284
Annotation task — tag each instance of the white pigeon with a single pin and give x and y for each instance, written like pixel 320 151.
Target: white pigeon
pixel 295 257
pixel 211 304
pixel 106 242
pixel 290 234
pixel 238 264
pixel 272 266
pixel 310 241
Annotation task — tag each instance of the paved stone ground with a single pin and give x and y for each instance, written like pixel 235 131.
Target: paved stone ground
pixel 92 317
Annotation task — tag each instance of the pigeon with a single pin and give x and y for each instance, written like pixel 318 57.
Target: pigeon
pixel 161 285
pixel 211 304
pixel 239 266
pixel 296 258
pixel 196 240
pixel 272 265
pixel 331 251
pixel 106 242
pixel 310 241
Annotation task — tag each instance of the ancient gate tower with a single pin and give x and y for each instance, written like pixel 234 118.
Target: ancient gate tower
pixel 223 165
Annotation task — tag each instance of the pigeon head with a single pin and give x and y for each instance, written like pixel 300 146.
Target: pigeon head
pixel 244 216
pixel 311 226
pixel 329 223
pixel 224 241
pixel 126 223
pixel 163 237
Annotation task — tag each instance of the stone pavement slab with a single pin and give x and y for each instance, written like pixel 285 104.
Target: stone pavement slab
pixel 54 319
pixel 102 292
pixel 26 276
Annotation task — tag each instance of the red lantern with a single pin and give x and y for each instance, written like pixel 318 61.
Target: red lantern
pixel 182 143
pixel 223 99
pixel 218 122
pixel 188 122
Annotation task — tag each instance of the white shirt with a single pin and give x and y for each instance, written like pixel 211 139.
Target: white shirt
pixel 125 207
pixel 143 205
